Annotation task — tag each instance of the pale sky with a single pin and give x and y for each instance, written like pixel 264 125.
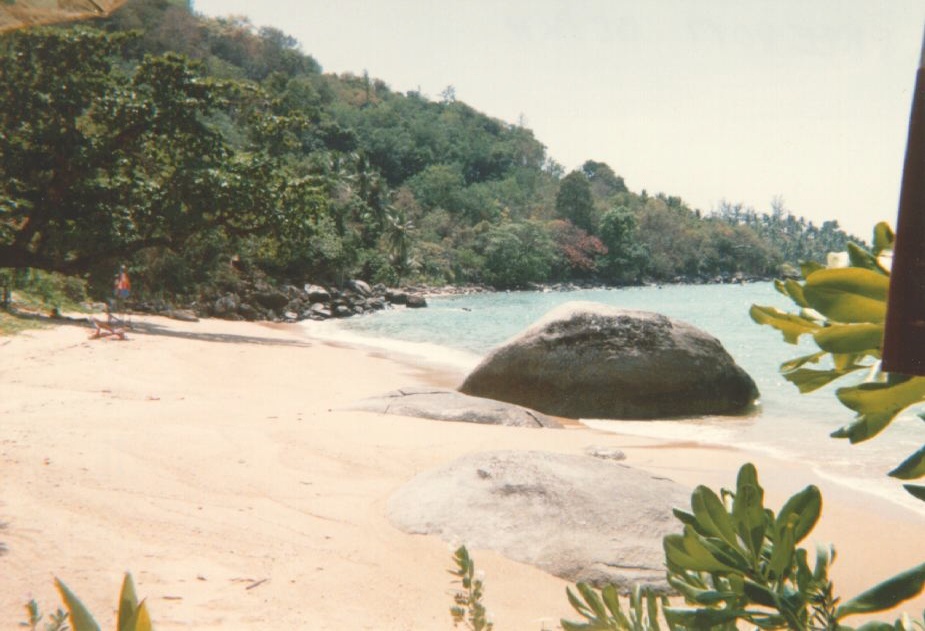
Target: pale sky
pixel 741 100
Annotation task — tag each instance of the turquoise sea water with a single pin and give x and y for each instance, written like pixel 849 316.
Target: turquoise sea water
pixel 456 331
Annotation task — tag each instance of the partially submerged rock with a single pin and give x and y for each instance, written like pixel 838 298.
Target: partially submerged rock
pixel 449 405
pixel 587 360
pixel 576 517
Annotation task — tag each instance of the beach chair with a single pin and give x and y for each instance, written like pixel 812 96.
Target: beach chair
pixel 111 328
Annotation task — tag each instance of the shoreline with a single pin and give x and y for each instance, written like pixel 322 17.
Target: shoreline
pixel 214 461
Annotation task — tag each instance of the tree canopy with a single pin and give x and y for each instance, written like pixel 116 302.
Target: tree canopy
pixel 176 142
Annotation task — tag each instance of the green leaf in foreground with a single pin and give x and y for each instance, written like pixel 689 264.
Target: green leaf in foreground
pixel 849 294
pixel 80 616
pixel 128 603
pixel 809 380
pixel 790 325
pixel 802 511
pixel 916 490
pixel 887 594
pixel 793 290
pixel 877 404
pixel 883 237
pixel 751 521
pixel 912 467
pixel 850 338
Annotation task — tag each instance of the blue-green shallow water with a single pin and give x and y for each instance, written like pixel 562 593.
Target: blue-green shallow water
pixel 456 331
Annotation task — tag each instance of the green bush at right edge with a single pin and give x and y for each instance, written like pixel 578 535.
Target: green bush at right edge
pixel 843 309
pixel 736 561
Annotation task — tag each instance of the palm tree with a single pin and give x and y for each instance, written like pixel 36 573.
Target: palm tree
pixel 398 238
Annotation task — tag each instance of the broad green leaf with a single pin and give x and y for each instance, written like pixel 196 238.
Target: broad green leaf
pixel 593 600
pixel 887 594
pixel 652 602
pixel 689 553
pixel 636 602
pixel 691 593
pixel 805 507
pixel 577 604
pixel 809 267
pixel 128 604
pixel 684 517
pixel 912 467
pixel 850 338
pixel 799 362
pixel 808 380
pixel 782 552
pixel 792 326
pixel 847 362
pixel 711 515
pixel 142 618
pixel 804 575
pixel 877 404
pixel 876 626
pixel 712 597
pixel 729 554
pixel 612 601
pixel 792 289
pixel 824 558
pixel 883 237
pixel 748 509
pixel 860 257
pixel 916 490
pixel 848 294
pixel 79 616
pixel 701 618
pixel 760 594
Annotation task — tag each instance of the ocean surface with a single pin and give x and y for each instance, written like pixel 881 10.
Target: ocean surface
pixel 455 332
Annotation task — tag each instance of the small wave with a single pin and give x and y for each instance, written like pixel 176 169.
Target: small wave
pixel 694 430
pixel 422 352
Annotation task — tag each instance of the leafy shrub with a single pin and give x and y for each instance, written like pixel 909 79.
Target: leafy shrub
pixel 843 310
pixel 468 608
pixel 736 561
pixel 133 616
pixel 46 290
pixel 603 612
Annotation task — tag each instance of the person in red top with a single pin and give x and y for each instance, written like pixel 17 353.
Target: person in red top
pixel 123 286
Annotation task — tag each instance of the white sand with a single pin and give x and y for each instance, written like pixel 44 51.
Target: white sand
pixel 212 461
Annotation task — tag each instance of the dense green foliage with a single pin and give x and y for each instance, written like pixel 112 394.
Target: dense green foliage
pixel 738 562
pixel 843 310
pixel 175 143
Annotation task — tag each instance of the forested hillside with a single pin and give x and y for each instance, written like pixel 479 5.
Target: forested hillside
pixel 202 151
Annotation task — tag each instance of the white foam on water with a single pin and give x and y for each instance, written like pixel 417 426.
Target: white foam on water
pixel 418 352
pixel 836 461
pixel 694 430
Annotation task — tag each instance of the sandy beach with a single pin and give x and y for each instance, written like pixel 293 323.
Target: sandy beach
pixel 215 462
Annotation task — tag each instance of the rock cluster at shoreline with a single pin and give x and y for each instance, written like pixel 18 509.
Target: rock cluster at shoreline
pixel 292 303
pixel 259 300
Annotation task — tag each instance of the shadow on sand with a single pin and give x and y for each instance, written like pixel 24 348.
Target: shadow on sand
pixel 152 328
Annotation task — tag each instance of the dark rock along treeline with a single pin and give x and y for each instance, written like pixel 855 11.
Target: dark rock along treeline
pixel 220 163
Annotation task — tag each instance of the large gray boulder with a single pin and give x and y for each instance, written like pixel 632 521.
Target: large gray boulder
pixel 576 517
pixel 449 405
pixel 587 360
